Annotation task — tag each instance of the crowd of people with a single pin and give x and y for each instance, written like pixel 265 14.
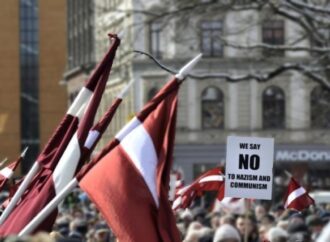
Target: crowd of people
pixel 79 220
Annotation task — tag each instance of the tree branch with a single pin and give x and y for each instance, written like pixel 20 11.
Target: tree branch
pixel 276 47
pixel 310 7
pixel 297 19
pixel 260 77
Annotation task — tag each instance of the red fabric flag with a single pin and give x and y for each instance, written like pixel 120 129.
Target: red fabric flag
pixel 64 157
pixel 132 180
pixel 211 180
pixel 297 197
pixel 7 172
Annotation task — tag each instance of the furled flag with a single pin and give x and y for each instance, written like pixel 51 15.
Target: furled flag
pixel 52 152
pixel 211 180
pixel 62 166
pixel 297 197
pixel 7 172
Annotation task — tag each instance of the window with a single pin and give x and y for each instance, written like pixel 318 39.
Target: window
pixel 80 33
pixel 155 39
pixel 29 79
pixel 210 42
pixel 273 34
pixel 152 92
pixel 212 108
pixel 320 108
pixel 273 108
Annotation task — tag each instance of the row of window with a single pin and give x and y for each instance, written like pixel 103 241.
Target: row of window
pixel 273 108
pixel 81 33
pixel 29 79
pixel 211 31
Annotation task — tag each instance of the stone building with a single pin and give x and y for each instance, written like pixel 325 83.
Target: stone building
pixel 287 107
pixel 33 58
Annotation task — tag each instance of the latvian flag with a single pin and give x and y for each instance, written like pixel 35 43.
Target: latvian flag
pixel 297 197
pixel 211 180
pixel 62 156
pixel 132 180
pixel 7 172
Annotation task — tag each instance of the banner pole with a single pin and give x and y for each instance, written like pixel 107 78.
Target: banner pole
pixel 246 217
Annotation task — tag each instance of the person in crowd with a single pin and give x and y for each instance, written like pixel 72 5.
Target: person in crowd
pixel 263 230
pixel 193 232
pixel 259 212
pixel 227 233
pixel 276 234
pixel 78 229
pixel 247 225
pixel 228 219
pixel 315 225
pixel 267 219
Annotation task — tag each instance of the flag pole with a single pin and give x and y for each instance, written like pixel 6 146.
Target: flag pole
pixel 64 192
pixel 184 71
pixel 79 103
pixel 28 229
pixel 74 182
pixel 246 217
pixel 288 173
pixel 3 161
pixel 21 189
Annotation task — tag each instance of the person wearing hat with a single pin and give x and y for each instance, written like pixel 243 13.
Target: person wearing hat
pixel 315 225
pixel 226 233
pixel 277 234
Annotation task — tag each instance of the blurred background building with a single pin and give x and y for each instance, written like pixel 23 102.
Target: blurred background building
pixel 291 108
pixel 50 46
pixel 33 59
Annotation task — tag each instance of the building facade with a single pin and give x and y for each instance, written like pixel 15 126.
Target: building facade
pixel 287 107
pixel 34 58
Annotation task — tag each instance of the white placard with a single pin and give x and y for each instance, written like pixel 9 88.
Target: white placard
pixel 249 167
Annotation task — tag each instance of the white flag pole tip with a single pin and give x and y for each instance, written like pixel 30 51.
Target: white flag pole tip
pixel 24 151
pixel 288 173
pixel 3 161
pixel 121 34
pixel 124 91
pixel 188 67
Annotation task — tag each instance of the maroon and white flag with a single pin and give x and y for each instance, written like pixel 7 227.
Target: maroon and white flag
pixel 66 152
pixel 176 183
pixel 163 148
pixel 229 205
pixel 133 178
pixel 211 180
pixel 297 197
pixel 7 172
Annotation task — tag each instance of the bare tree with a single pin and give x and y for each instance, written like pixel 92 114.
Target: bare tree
pixel 310 18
